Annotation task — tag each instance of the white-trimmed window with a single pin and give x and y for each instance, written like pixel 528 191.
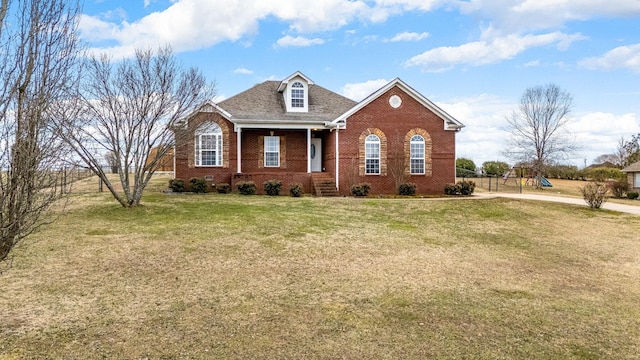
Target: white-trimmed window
pixel 372 155
pixel 417 155
pixel 297 95
pixel 271 151
pixel 636 180
pixel 208 145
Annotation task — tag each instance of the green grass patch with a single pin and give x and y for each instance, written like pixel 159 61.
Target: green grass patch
pixel 236 277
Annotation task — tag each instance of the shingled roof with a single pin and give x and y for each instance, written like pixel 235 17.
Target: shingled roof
pixel 635 167
pixel 264 102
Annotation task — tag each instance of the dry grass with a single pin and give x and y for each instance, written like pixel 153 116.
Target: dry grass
pixel 561 187
pixel 227 276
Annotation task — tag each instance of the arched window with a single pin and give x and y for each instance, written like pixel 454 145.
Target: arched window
pixel 297 95
pixel 417 154
pixel 372 155
pixel 208 145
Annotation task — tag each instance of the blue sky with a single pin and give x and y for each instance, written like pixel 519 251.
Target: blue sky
pixel 473 58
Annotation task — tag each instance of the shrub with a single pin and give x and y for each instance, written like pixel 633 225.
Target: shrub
pixel 177 185
pixel 223 188
pixel 467 187
pixel 618 188
pixel 272 187
pixel 452 189
pixel 361 189
pixel 296 190
pixel 461 188
pixel 632 195
pixel 595 194
pixel 247 187
pixel 407 189
pixel 603 174
pixel 198 185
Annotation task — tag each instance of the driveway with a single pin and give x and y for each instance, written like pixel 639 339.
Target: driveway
pixel 629 209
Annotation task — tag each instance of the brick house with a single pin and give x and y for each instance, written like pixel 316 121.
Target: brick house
pixel 633 176
pixel 298 132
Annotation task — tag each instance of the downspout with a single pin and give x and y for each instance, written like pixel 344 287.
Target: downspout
pixel 309 151
pixel 337 159
pixel 239 149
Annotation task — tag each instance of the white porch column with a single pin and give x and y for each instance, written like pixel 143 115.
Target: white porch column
pixel 337 159
pixel 239 150
pixel 309 151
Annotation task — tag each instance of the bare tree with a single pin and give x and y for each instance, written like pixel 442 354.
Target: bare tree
pixel 127 110
pixel 38 64
pixel 397 162
pixel 538 127
pixel 617 158
pixel 630 150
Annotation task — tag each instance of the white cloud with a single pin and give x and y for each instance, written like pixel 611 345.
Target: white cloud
pixel 243 71
pixel 408 5
pixel 487 51
pixel 359 91
pixel 298 41
pixel 620 57
pixel 313 16
pixel 598 133
pixel 484 135
pixel 197 24
pixel 525 15
pixel 185 25
pixel 409 36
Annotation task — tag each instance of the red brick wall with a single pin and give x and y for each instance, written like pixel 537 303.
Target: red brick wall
pixel 395 124
pixel 293 167
pixel 185 152
pixel 293 151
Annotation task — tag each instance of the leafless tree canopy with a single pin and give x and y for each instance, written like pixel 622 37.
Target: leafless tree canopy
pixel 538 128
pixel 38 64
pixel 126 110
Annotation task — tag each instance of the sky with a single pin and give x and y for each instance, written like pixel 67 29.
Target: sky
pixel 473 58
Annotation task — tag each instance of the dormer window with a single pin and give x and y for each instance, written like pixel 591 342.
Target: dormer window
pixel 297 95
pixel 295 92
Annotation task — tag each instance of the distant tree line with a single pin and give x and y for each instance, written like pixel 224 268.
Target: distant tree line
pixel 467 168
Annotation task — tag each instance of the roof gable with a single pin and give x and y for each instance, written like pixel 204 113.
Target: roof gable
pixel 450 123
pixel 285 82
pixel 208 106
pixel 263 102
pixel 635 167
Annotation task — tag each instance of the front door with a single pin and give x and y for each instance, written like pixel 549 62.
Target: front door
pixel 316 154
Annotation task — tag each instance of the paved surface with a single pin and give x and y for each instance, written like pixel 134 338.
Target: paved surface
pixel 629 209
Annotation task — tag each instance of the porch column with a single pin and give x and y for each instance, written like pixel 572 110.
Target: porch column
pixel 337 159
pixel 239 150
pixel 309 151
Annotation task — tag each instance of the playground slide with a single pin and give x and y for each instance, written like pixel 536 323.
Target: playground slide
pixel 544 182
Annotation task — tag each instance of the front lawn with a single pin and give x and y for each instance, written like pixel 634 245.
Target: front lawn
pixel 256 277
